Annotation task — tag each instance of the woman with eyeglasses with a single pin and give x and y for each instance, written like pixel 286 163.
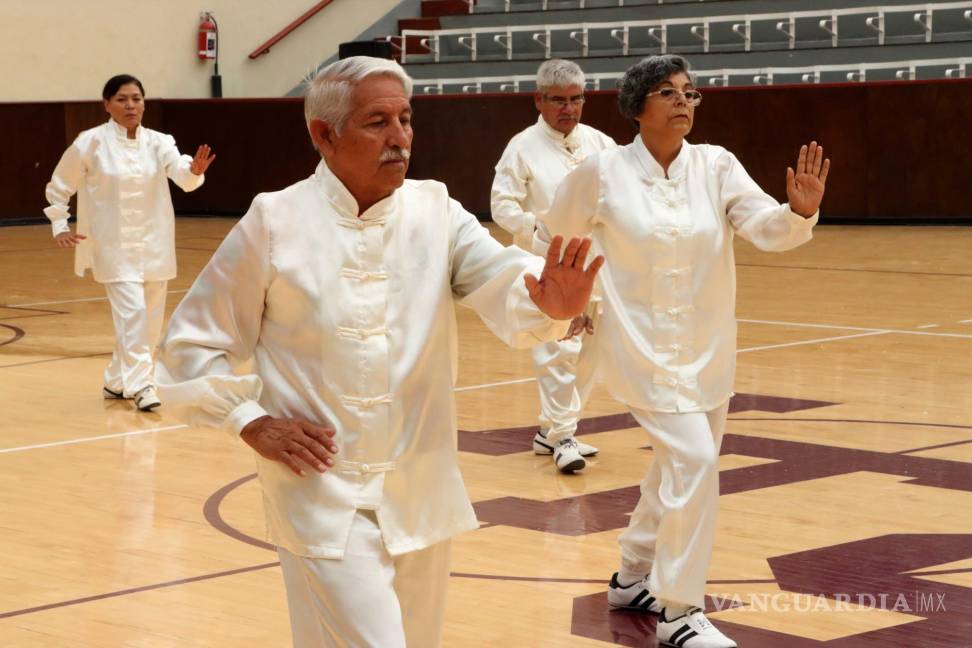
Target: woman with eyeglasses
pixel 126 226
pixel 665 212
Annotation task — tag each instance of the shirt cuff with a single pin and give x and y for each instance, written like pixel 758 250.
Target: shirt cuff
pixel 529 223
pixel 195 181
pixel 244 413
pixel 797 218
pixel 60 227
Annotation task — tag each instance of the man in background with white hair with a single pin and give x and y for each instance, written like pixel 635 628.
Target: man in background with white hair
pixel 527 176
pixel 341 289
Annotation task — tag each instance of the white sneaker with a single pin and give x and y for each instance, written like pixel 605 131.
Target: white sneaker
pixel 542 447
pixel 112 395
pixel 568 457
pixel 691 630
pixel 146 399
pixel 633 597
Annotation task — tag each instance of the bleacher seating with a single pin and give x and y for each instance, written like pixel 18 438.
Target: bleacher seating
pixel 496 45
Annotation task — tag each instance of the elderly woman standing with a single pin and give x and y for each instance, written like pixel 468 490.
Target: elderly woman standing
pixel 664 213
pixel 126 226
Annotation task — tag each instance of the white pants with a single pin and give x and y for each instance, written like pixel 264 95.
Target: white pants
pixel 368 599
pixel 672 529
pixel 565 377
pixel 137 309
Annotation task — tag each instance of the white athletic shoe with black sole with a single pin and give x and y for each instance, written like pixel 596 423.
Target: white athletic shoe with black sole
pixel 691 630
pixel 543 447
pixel 112 395
pixel 568 457
pixel 146 399
pixel 632 597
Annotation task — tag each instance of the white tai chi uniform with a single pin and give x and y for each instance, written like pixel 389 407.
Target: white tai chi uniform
pixel 125 210
pixel 350 323
pixel 666 341
pixel 534 163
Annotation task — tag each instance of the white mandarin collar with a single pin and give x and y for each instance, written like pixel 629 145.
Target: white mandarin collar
pixel 570 141
pixel 121 132
pixel 676 170
pixel 343 201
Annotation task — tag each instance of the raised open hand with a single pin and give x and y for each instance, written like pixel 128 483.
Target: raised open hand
pixel 805 187
pixel 202 160
pixel 69 239
pixel 564 287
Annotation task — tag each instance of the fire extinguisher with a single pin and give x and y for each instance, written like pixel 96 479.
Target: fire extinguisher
pixel 209 48
pixel 207 36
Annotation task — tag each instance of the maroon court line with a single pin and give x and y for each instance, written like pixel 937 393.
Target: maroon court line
pixel 41 312
pixel 18 317
pixel 901 452
pixel 17 334
pixel 935 447
pixel 135 590
pixel 244 570
pixel 33 362
pixel 215 519
pixel 830 420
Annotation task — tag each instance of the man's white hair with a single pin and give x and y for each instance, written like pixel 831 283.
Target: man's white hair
pixel 559 72
pixel 328 95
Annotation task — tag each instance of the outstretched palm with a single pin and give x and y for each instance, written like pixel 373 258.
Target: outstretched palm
pixel 202 160
pixel 805 187
pixel 564 287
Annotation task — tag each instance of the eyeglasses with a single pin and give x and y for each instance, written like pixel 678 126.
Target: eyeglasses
pixel 692 97
pixel 562 102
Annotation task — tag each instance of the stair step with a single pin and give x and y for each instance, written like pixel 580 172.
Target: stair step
pixel 436 8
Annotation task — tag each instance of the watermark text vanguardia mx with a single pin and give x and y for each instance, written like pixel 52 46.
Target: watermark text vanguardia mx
pixel 908 603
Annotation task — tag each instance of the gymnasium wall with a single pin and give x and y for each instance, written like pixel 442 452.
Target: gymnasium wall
pixel 65 50
pixel 902 151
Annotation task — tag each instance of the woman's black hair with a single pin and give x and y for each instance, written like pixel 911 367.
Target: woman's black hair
pixel 116 82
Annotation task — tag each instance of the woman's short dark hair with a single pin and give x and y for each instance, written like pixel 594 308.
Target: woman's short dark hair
pixel 642 77
pixel 116 82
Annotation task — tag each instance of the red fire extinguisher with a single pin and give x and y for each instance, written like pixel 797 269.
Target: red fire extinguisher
pixel 207 36
pixel 209 48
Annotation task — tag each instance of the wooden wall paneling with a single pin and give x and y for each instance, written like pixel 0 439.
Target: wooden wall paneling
pixel 33 140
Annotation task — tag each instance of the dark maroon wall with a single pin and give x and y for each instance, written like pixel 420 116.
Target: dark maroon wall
pixel 900 150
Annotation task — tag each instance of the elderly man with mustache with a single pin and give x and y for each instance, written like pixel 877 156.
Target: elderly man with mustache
pixel 341 288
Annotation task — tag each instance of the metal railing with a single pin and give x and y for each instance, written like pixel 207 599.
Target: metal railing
pixel 283 33
pixel 825 23
pixel 508 5
pixel 851 72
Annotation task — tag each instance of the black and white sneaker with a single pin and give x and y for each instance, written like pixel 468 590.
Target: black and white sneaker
pixel 146 399
pixel 632 597
pixel 112 395
pixel 568 457
pixel 543 447
pixel 691 630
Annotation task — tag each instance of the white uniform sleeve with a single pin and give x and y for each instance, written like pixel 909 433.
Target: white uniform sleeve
pixel 67 177
pixel 216 328
pixel 489 279
pixel 574 208
pixel 754 214
pixel 177 166
pixel 508 194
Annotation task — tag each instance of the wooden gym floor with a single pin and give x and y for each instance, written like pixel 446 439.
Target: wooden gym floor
pixel 845 519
